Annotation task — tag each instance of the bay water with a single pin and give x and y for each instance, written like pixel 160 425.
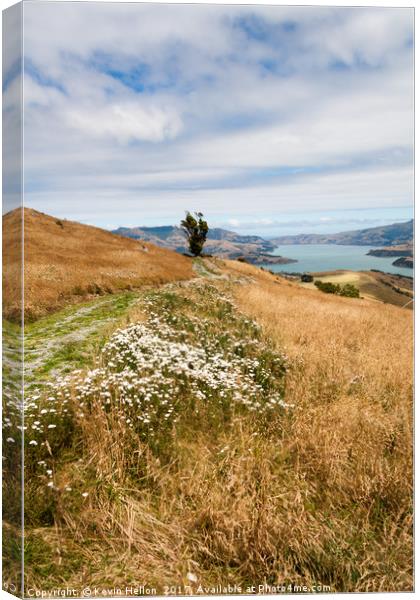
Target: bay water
pixel 331 257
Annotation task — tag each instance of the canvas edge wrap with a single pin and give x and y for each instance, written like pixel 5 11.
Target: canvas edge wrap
pixel 12 339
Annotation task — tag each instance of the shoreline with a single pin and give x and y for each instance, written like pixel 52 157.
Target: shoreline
pixel 320 258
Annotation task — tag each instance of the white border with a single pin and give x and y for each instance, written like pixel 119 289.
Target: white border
pixel 384 3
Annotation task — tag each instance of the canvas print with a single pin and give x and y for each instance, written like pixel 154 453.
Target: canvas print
pixel 207 299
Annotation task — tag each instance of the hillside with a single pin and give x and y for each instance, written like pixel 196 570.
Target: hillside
pixel 191 403
pixel 387 235
pixel 220 242
pixel 233 402
pixel 68 262
pixel 374 286
pixel 173 237
pixel 400 250
pixel 404 252
pixel 404 261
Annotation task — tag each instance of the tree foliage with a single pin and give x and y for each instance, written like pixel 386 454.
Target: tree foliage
pixel 349 290
pixel 196 230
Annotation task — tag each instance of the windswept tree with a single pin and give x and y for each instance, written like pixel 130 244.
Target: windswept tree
pixel 196 230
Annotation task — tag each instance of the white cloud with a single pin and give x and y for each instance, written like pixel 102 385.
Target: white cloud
pixel 386 188
pixel 126 122
pixel 133 109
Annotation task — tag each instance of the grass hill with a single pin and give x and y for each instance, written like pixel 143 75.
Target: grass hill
pixel 67 261
pixel 231 428
pixel 375 286
pixel 220 242
pixel 387 235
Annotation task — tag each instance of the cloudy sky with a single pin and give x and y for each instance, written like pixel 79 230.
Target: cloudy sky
pixel 258 116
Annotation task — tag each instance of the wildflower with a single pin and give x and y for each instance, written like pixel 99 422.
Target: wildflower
pixel 148 368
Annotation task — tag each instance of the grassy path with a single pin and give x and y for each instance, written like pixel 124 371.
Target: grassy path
pixel 64 341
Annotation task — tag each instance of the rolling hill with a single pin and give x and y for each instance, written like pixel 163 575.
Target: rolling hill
pixel 236 401
pixel 67 261
pixel 387 235
pixel 162 418
pixel 374 286
pixel 220 242
pixel 401 250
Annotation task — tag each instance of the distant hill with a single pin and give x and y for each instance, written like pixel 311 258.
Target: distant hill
pixel 386 235
pixel 404 261
pixel 404 250
pixel 220 242
pixel 67 261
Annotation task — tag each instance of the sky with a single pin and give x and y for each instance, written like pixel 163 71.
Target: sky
pixel 265 118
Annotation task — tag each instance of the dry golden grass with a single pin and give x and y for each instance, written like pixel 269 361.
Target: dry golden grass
pixel 67 262
pixel 342 338
pixel 350 438
pixel 319 495
pixel 323 495
pixel 12 264
pixel 373 285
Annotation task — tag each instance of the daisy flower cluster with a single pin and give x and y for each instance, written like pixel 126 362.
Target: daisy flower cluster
pixel 151 373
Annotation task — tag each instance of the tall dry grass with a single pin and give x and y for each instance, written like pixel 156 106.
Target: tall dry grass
pixel 319 495
pixel 68 262
pixel 12 260
pixel 350 436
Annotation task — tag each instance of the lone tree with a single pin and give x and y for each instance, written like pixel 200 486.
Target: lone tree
pixel 196 230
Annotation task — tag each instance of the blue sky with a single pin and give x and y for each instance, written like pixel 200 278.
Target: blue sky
pixel 256 115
